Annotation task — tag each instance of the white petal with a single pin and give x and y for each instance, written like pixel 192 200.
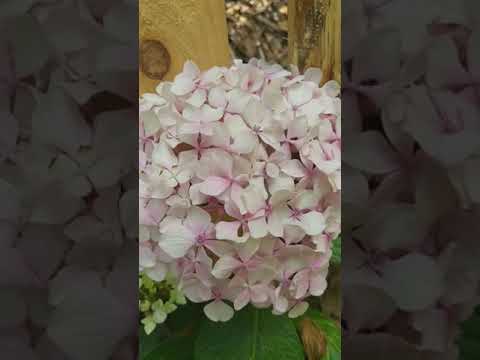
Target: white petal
pixel 164 156
pixel 218 311
pixel 258 227
pixel 190 69
pixel 299 94
pixel 210 114
pixel 274 99
pixel 229 231
pixel 157 273
pixel 298 310
pixel 318 283
pixel 217 97
pixel 293 168
pixel 313 223
pixel 313 75
pixel 182 85
pixel 272 170
pixel 176 244
pixel 198 98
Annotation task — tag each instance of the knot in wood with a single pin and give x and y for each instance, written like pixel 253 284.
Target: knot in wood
pixel 154 59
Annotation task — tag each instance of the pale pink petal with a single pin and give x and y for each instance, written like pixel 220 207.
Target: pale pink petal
pixel 300 283
pixel 242 300
pixel 214 185
pixel 259 293
pixel 197 219
pixel 229 231
pixel 248 249
pixel 220 248
pixel 224 266
pixel 196 291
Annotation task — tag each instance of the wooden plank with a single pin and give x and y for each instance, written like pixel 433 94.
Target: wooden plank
pixel 314 36
pixel 173 31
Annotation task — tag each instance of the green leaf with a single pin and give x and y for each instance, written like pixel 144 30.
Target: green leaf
pixel 175 347
pixel 469 343
pixel 337 250
pixel 252 334
pixel 148 343
pixel 186 320
pixel 331 331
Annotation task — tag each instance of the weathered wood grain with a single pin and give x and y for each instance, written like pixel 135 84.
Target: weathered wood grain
pixel 188 30
pixel 314 37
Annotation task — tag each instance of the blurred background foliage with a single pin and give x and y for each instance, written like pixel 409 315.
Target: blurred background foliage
pixel 258 28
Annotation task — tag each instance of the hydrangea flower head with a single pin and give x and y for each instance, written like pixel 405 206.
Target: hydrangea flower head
pixel 240 185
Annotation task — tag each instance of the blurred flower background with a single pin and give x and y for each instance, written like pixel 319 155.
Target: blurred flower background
pixel 258 28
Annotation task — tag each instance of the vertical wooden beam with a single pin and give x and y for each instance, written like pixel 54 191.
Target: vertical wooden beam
pixel 314 36
pixel 173 31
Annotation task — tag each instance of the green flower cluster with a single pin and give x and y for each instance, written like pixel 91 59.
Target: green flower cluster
pixel 157 300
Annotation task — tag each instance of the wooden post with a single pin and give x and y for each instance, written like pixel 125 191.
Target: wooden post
pixel 173 31
pixel 314 38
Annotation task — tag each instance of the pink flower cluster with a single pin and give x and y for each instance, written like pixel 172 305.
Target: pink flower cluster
pixel 240 185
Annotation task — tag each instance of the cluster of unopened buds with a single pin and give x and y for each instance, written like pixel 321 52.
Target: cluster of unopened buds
pixel 240 185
